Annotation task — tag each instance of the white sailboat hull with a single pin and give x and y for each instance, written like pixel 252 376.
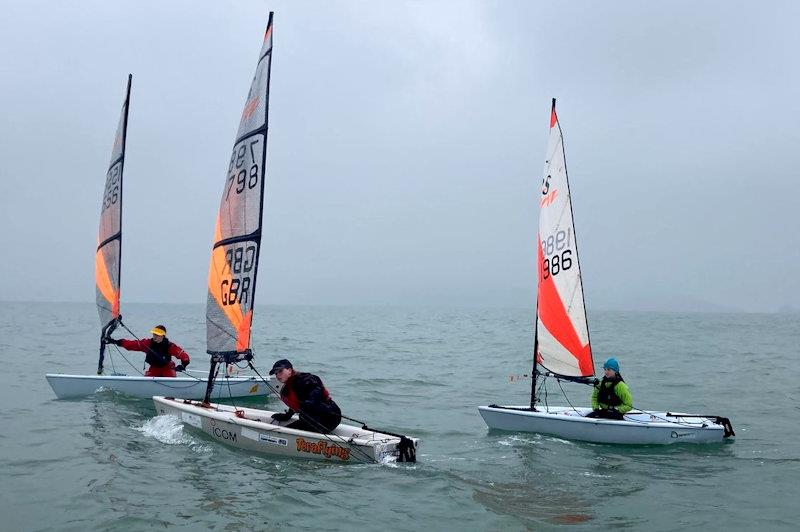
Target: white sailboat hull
pixel 638 428
pixel 74 386
pixel 253 430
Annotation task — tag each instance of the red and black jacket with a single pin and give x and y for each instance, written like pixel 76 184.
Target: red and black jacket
pixel 304 392
pixel 159 354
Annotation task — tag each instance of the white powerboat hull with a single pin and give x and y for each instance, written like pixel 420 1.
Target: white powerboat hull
pixel 638 428
pixel 74 386
pixel 254 430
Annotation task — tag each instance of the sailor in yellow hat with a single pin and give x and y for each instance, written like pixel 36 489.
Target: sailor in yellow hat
pixel 159 352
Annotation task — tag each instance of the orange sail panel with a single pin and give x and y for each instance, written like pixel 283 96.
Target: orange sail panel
pixel 561 330
pixel 108 257
pixel 237 234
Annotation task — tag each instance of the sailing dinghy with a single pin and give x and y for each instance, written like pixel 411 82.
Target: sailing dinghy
pixel 107 278
pixel 229 312
pixel 561 340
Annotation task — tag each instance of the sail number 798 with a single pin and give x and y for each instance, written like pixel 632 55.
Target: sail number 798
pixel 557 253
pixel 239 175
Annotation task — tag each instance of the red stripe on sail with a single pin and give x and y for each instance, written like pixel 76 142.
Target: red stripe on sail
pixel 553 117
pixel 554 317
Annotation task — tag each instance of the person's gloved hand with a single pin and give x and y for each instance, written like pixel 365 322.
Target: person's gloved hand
pixel 180 367
pixel 282 416
pixel 110 340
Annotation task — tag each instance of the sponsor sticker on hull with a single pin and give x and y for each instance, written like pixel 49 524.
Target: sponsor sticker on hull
pixel 263 438
pixel 328 450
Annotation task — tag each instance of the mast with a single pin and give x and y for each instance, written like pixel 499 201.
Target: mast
pixel 108 256
pixel 534 370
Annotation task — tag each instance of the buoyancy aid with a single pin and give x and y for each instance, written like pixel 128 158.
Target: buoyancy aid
pixel 298 388
pixel 158 353
pixel 606 394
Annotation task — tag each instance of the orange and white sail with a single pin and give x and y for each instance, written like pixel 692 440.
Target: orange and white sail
pixel 237 235
pixel 562 333
pixel 109 239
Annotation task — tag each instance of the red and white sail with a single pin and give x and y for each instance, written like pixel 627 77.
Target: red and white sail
pixel 562 334
pixel 109 238
pixel 237 235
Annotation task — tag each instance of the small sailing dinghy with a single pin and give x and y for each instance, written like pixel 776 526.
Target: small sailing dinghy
pixel 561 341
pixel 107 277
pixel 229 312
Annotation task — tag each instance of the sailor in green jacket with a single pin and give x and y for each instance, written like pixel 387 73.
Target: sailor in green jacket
pixel 611 397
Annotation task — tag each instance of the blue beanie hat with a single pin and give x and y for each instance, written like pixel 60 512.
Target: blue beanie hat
pixel 611 363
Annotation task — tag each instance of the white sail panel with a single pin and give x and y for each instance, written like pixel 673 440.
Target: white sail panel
pixel 562 331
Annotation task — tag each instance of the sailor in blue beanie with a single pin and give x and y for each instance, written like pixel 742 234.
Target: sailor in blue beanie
pixel 611 398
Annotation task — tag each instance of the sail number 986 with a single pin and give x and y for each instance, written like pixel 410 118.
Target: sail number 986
pixel 241 260
pixel 557 252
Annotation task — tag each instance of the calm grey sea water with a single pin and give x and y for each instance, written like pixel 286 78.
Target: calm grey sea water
pixel 108 463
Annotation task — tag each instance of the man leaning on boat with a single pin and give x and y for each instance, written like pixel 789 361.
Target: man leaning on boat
pixel 159 352
pixel 611 398
pixel 304 393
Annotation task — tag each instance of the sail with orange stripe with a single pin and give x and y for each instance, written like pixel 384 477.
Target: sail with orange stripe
pixel 237 234
pixel 109 239
pixel 562 333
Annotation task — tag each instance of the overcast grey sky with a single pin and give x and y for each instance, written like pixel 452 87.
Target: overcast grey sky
pixel 406 147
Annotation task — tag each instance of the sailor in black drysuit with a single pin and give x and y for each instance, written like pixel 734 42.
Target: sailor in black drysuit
pixel 304 393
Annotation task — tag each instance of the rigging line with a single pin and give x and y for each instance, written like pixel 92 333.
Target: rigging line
pixel 111 359
pixel 364 454
pixel 128 361
pixel 230 394
pixel 566 397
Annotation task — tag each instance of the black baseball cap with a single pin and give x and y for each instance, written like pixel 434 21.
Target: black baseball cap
pixel 280 364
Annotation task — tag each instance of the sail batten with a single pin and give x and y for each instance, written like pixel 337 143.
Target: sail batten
pixel 237 235
pixel 562 333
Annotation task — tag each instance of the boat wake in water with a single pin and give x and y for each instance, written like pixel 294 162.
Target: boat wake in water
pixel 169 429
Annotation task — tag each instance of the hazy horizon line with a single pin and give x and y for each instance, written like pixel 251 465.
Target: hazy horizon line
pixel 785 309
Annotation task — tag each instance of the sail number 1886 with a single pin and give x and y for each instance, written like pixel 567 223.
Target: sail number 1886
pixel 557 253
